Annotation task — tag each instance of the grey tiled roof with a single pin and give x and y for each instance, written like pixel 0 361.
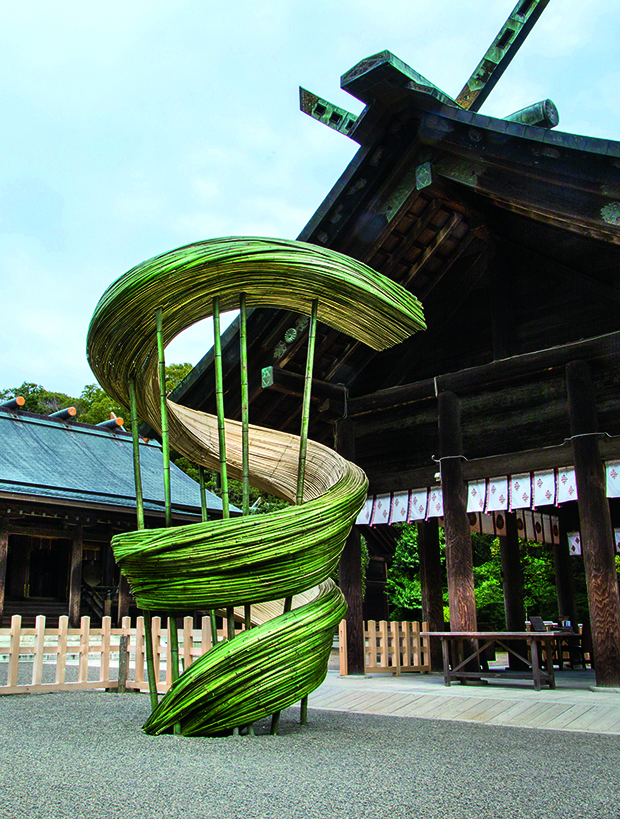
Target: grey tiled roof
pixel 50 458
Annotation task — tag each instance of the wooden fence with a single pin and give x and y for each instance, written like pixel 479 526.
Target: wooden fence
pixel 390 648
pixel 115 657
pixel 38 659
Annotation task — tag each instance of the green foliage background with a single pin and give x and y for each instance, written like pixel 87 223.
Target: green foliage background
pixel 405 595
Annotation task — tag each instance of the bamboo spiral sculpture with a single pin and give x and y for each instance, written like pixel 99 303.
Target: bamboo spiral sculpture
pixel 243 560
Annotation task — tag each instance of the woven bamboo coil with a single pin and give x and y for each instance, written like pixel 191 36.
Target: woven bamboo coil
pixel 253 559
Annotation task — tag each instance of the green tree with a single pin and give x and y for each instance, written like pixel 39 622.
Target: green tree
pixel 175 373
pixel 38 399
pixel 96 406
pixel 403 588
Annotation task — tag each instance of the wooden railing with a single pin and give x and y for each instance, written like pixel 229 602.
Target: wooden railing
pixel 114 656
pixel 390 647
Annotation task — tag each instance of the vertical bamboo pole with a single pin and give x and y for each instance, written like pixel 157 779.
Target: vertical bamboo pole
pixel 301 472
pixel 133 409
pixel 173 640
pixel 203 492
pixel 245 436
pixel 165 444
pixel 137 473
pixel 245 405
pixel 213 628
pixel 150 659
pixel 221 429
pixel 173 637
pixel 303 444
pixel 305 412
pixel 205 516
pixel 219 398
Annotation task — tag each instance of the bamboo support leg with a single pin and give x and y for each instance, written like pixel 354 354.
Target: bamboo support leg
pixel 150 659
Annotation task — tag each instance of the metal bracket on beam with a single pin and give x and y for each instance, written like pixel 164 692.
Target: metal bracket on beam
pixel 423 176
pixel 326 112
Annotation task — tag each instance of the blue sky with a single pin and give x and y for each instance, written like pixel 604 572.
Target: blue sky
pixel 132 128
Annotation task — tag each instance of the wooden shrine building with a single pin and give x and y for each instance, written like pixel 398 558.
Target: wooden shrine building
pixel 65 489
pixel 509 233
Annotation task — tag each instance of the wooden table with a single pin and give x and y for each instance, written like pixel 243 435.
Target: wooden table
pixel 474 643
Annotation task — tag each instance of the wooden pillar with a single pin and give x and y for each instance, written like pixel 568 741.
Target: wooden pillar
pixel 459 559
pixel 75 577
pixel 431 584
pixel 597 537
pixel 565 588
pixel 107 558
pixel 512 582
pixel 4 550
pixel 123 599
pixel 350 568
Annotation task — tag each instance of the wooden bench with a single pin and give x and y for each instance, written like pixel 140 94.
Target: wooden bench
pixel 467 646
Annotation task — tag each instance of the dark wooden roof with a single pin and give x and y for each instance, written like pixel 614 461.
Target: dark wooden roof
pixel 509 234
pixel 47 460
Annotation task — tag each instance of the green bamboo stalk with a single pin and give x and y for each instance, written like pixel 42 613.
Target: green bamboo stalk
pixel 203 492
pixel 305 411
pixel 275 722
pixel 245 405
pixel 205 516
pixel 219 397
pixel 230 621
pixel 165 443
pixel 165 449
pixel 213 628
pixel 303 711
pixel 150 659
pixel 245 436
pixel 303 449
pixel 137 473
pixel 173 636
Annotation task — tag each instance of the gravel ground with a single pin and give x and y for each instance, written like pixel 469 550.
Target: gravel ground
pixel 82 755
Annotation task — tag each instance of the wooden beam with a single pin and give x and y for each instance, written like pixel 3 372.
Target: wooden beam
pixel 350 568
pixel 412 236
pixel 42 531
pixel 597 536
pixel 510 463
pixel 75 578
pixel 459 558
pixel 289 383
pixel 453 222
pixel 474 378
